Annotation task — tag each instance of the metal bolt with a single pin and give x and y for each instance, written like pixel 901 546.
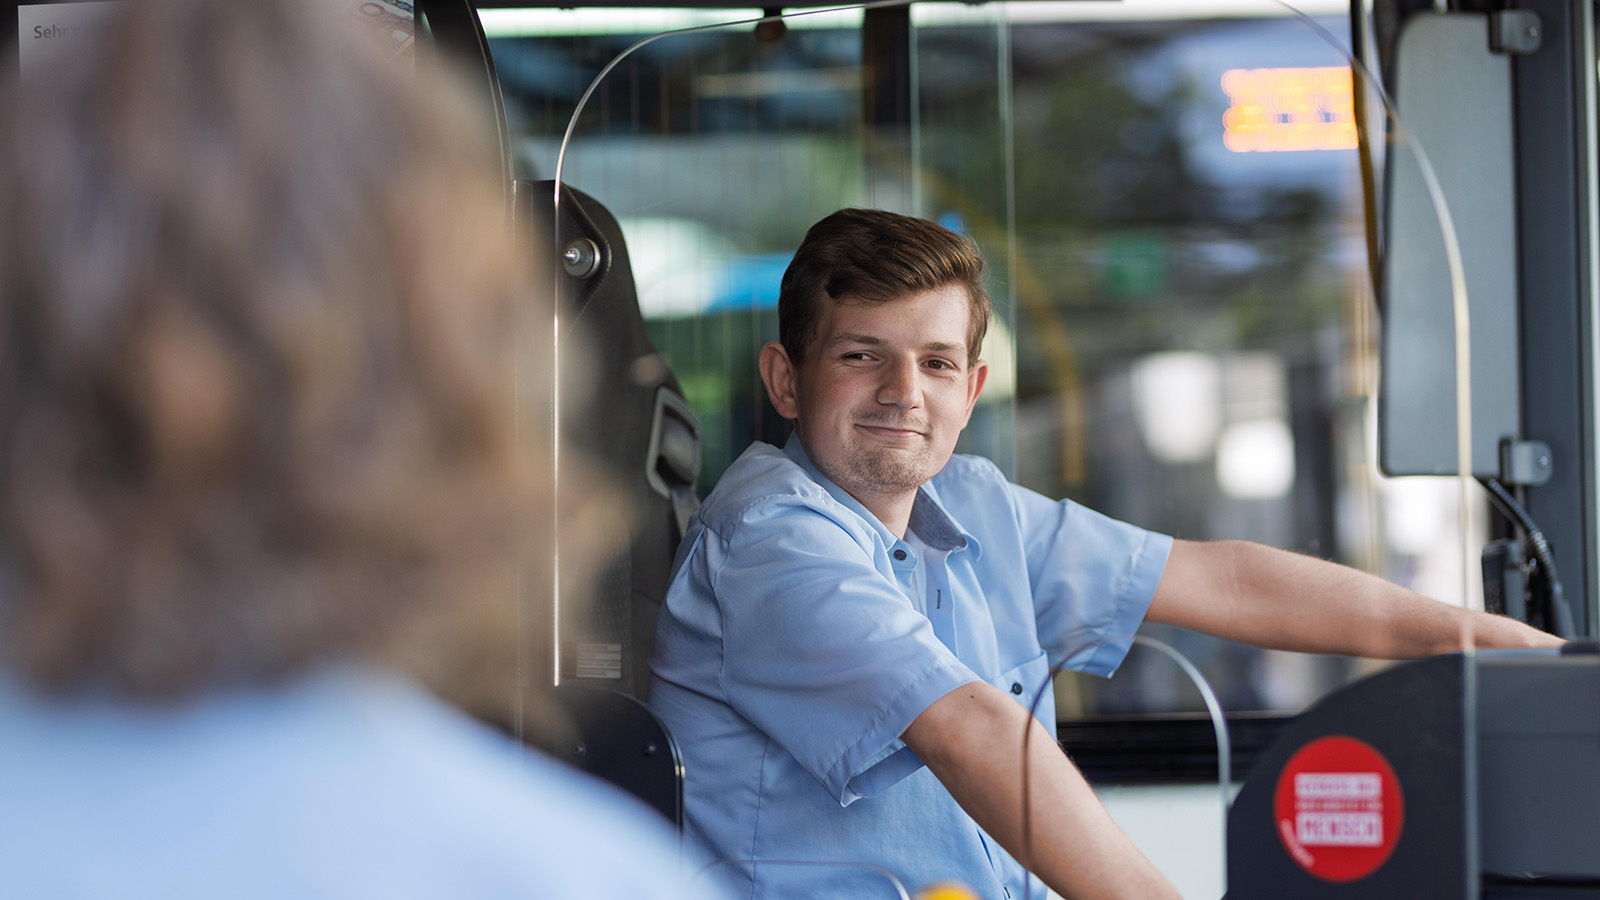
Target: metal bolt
pixel 581 258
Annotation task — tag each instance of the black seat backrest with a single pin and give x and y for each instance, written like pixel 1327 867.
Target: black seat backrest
pixel 635 425
pixel 617 738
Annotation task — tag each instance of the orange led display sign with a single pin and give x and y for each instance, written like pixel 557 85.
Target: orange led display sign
pixel 1289 109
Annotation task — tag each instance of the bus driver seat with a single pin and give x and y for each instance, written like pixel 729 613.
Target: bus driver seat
pixel 640 431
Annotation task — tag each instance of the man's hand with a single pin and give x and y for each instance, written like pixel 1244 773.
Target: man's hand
pixel 971 739
pixel 1267 597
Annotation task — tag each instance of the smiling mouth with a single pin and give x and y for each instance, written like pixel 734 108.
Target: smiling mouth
pixel 889 432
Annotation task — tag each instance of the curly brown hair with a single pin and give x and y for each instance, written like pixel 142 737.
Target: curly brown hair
pixel 259 314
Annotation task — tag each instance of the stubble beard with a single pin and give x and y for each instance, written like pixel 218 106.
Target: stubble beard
pixel 884 471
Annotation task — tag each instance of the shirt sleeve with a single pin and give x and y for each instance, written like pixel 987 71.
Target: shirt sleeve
pixel 1093 578
pixel 821 650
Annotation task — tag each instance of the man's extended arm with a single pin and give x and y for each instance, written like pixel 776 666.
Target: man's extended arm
pixel 971 739
pixel 1260 595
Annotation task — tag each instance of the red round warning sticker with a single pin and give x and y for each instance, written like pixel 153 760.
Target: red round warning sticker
pixel 1338 808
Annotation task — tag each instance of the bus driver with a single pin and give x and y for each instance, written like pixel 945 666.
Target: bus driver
pixel 858 619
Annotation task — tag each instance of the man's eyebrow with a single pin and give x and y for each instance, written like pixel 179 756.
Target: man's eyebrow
pixel 847 338
pixel 850 337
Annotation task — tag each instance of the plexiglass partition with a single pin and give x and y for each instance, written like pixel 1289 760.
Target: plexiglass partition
pixel 1173 208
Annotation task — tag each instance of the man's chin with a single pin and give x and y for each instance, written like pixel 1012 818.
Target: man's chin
pixel 889 476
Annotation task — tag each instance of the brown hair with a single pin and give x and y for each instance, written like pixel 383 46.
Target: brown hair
pixel 258 314
pixel 874 256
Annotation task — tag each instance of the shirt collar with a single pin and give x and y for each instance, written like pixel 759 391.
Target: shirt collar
pixel 929 519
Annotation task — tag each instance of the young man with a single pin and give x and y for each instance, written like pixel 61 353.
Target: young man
pixel 858 619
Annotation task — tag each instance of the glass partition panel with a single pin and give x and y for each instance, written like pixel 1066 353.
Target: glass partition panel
pixel 717 149
pixel 1171 204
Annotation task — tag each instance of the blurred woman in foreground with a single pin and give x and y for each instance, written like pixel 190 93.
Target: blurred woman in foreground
pixel 262 471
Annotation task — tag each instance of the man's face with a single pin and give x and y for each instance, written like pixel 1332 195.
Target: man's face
pixel 883 392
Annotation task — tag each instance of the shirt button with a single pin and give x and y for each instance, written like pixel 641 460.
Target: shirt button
pixel 1016 687
pixel 899 554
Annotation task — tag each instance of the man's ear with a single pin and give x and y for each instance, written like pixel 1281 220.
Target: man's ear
pixel 977 376
pixel 778 373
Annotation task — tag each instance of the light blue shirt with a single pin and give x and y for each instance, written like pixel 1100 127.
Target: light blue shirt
pixel 344 784
pixel 792 651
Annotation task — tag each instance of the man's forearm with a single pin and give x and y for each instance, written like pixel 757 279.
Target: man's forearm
pixel 971 739
pixel 1273 598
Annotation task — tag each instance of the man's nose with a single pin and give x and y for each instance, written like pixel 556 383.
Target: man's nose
pixel 900 386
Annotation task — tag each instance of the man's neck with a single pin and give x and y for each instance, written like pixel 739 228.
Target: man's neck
pixel 894 512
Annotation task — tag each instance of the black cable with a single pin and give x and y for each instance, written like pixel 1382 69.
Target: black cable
pixel 1513 510
pixel 1364 155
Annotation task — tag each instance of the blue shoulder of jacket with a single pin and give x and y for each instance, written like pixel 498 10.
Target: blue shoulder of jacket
pixel 762 474
pixel 967 478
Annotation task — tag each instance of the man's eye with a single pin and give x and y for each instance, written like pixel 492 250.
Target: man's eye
pixel 940 364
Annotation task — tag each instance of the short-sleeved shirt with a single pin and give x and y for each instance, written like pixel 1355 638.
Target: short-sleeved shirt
pixel 346 783
pixel 800 637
